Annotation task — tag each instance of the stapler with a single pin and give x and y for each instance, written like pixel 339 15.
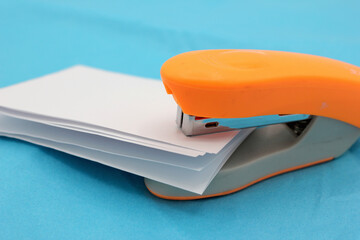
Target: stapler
pixel 304 108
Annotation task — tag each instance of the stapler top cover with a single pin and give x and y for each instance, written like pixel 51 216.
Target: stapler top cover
pixel 248 83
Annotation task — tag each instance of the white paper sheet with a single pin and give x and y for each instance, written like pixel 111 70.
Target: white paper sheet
pixel 110 103
pixel 191 180
pixel 118 120
pixel 14 126
pixel 101 132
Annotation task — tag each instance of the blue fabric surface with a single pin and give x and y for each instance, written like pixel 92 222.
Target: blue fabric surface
pixel 45 194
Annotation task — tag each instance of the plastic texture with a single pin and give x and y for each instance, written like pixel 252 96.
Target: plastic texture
pixel 248 83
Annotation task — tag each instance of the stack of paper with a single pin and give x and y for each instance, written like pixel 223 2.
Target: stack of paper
pixel 118 120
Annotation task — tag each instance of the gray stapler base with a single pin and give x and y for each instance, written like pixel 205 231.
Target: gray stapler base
pixel 269 151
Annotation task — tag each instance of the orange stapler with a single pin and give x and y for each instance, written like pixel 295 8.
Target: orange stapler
pixel 302 106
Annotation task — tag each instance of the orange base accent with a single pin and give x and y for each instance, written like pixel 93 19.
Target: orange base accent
pixel 242 187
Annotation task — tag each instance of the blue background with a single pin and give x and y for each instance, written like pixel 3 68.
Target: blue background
pixel 45 194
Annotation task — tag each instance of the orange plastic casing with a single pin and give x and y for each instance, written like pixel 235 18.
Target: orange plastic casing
pixel 248 83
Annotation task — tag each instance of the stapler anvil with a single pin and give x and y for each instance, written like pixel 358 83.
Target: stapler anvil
pixel 304 108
